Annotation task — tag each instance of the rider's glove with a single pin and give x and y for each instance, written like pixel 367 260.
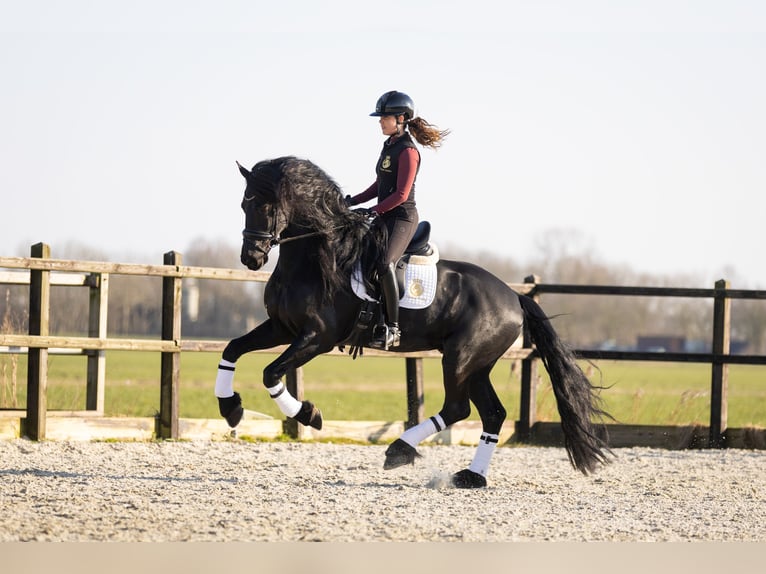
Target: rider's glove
pixel 367 212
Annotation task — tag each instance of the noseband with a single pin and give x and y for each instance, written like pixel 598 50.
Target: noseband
pixel 257 236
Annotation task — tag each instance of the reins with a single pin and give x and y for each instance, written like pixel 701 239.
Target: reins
pixel 274 241
pixel 280 241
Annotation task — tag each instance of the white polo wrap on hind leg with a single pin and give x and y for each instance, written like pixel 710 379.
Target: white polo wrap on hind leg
pixel 415 435
pixel 484 452
pixel 224 381
pixel 288 404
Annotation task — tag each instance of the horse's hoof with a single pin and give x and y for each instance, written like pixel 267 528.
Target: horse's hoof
pixel 309 416
pixel 398 454
pixel 231 409
pixel 468 479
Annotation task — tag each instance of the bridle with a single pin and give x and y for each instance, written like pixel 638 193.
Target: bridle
pixel 273 240
pixel 271 236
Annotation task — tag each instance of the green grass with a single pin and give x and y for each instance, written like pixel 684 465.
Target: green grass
pixel 373 388
pixel 671 393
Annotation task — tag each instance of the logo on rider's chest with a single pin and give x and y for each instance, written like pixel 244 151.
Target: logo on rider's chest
pixel 386 163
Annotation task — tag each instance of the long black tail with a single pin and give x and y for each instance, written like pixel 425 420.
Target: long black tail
pixel 576 397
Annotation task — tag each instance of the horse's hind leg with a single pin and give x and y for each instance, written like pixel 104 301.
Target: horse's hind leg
pixel 492 414
pixel 456 408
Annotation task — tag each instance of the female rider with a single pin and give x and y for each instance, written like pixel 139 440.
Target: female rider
pixel 394 189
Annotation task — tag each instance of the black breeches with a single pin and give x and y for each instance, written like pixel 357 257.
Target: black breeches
pixel 400 233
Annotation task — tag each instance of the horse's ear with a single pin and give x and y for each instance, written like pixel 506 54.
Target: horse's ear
pixel 244 171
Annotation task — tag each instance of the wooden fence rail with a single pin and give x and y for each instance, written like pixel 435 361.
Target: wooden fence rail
pixel 40 272
pixel 719 358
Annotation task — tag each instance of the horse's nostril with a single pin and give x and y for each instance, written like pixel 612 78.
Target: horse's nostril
pixel 253 260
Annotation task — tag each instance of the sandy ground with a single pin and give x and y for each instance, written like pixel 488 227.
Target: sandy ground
pixel 239 491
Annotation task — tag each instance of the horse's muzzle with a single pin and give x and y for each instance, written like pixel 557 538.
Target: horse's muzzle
pixel 253 256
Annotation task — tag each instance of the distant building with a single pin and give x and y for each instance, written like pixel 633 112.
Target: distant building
pixel 661 343
pixel 678 344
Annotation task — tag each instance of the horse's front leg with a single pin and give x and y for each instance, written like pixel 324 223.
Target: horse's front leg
pixel 301 351
pixel 264 336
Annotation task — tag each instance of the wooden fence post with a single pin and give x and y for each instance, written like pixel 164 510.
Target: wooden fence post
pixel 415 392
pixel 97 318
pixel 294 385
pixel 171 361
pixel 37 358
pixel 528 407
pixel 720 370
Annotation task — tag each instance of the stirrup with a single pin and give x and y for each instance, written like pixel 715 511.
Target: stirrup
pixel 385 337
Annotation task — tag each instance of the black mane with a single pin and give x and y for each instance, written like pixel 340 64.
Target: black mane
pixel 313 201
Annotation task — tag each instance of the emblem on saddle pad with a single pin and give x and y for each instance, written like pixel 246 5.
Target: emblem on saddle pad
pixel 418 282
pixel 416 288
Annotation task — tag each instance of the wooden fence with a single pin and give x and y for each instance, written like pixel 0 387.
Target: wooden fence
pixel 41 272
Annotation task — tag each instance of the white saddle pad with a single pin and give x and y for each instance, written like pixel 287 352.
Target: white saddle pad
pixel 419 282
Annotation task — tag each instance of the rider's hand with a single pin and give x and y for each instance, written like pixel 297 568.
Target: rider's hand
pixel 367 212
pixel 369 216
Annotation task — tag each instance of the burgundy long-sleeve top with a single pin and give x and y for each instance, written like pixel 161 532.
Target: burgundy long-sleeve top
pixel 408 169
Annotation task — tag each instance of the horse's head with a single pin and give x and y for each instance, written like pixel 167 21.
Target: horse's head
pixel 290 201
pixel 264 220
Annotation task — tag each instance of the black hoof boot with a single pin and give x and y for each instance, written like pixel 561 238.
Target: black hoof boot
pixel 398 454
pixel 231 409
pixel 309 416
pixel 468 479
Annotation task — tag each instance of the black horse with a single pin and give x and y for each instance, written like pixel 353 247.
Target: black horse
pixel 473 319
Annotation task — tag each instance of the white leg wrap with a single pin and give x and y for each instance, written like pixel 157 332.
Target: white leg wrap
pixel 484 452
pixel 289 405
pixel 419 433
pixel 224 382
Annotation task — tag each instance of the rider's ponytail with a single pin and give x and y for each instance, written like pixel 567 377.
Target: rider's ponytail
pixel 427 135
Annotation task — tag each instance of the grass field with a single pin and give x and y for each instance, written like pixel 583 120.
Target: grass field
pixel 373 388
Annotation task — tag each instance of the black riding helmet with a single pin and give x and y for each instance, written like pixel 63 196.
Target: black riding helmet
pixel 395 104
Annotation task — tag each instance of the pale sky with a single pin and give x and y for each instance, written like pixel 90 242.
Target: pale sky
pixel 638 125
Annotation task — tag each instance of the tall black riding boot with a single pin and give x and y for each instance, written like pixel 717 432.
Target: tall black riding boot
pixel 389 336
